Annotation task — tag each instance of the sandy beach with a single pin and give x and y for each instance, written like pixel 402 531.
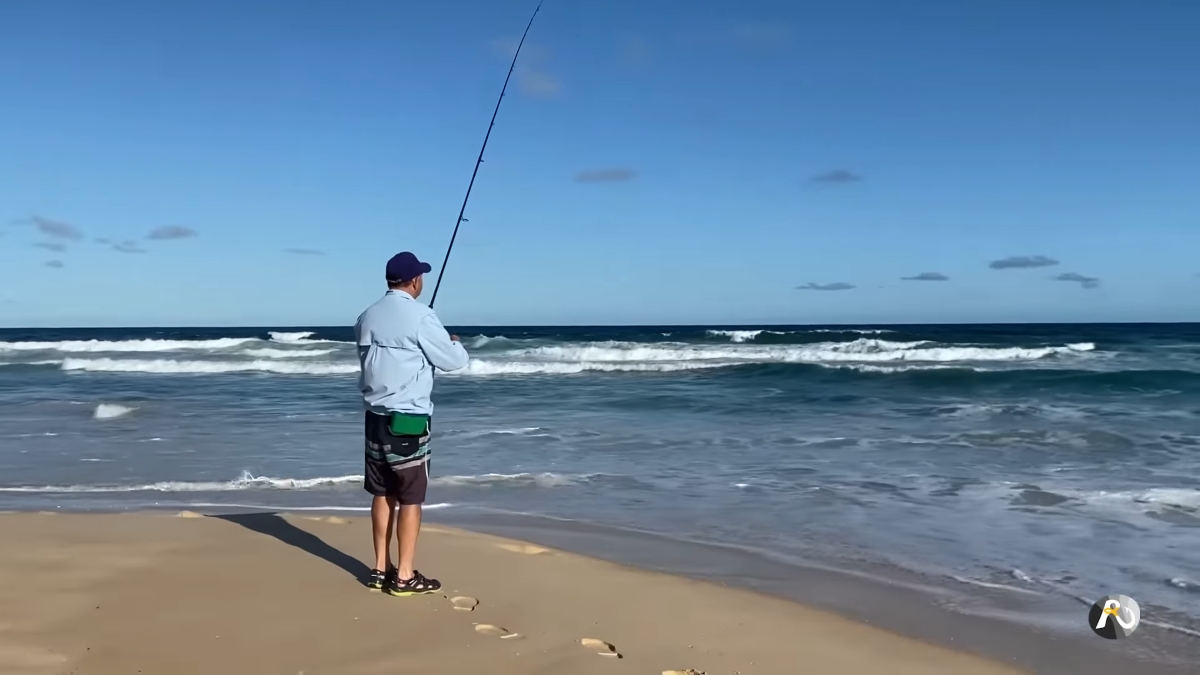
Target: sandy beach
pixel 268 593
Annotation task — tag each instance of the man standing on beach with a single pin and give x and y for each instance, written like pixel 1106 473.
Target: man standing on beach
pixel 400 342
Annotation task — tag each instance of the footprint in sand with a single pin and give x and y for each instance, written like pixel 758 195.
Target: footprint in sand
pixel 502 633
pixel 463 603
pixel 527 549
pixel 602 648
pixel 689 671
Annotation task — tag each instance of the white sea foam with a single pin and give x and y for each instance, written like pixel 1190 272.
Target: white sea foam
pixel 78 346
pixel 860 350
pixel 301 338
pixel 1046 410
pixel 1021 576
pixel 1153 498
pixel 278 336
pixel 992 585
pixel 740 335
pixel 519 431
pixel 44 362
pixel 246 482
pixel 488 367
pixel 108 411
pixel 748 335
pixel 250 482
pixel 481 341
pixel 864 354
pixel 544 480
pixel 868 368
pixel 268 353
pixel 860 353
pixel 856 331
pixel 169 366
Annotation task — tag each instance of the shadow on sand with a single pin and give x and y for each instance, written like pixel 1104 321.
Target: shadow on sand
pixel 273 525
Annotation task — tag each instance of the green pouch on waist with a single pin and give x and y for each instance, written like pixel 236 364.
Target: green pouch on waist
pixel 404 424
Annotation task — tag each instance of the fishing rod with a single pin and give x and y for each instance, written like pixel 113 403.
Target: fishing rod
pixel 479 161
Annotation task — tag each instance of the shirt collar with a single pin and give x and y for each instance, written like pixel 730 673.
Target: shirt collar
pixel 400 294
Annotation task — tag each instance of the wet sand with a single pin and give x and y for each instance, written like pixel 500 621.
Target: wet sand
pixel 1045 633
pixel 267 593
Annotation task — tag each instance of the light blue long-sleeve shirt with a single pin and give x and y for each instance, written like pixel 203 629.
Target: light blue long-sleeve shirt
pixel 400 342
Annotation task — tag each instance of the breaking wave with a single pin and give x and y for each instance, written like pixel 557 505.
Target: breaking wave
pixel 169 366
pixel 78 346
pixel 290 338
pixel 862 354
pixel 108 411
pixel 751 335
pixel 247 481
pixel 741 335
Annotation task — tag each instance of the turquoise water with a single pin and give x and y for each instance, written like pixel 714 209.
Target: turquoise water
pixel 1057 461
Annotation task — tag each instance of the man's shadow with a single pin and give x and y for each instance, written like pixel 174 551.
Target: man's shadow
pixel 273 525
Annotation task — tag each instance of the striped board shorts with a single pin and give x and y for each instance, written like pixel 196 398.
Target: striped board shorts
pixel 396 466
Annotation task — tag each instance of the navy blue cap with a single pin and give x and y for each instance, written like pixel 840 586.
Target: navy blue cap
pixel 404 267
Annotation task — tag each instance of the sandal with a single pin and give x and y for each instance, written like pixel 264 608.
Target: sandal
pixel 419 584
pixel 377 580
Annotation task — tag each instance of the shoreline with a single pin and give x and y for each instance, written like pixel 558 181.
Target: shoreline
pixel 1013 628
pixel 904 618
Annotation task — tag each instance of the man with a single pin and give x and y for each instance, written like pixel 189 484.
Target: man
pixel 400 342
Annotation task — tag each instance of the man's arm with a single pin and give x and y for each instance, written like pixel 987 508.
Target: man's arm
pixel 443 352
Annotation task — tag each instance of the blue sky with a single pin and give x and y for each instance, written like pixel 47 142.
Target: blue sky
pixel 748 149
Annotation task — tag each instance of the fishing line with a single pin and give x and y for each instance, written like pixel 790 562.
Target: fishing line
pixel 479 161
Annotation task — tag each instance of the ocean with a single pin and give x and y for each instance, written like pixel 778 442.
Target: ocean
pixel 1056 462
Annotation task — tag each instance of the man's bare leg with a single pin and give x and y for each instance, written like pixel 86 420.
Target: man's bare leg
pixel 383 519
pixel 406 537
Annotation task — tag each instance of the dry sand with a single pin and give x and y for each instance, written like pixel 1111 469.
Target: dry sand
pixel 263 593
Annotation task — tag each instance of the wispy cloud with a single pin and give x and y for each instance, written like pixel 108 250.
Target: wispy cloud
pixel 128 246
pixel 51 246
pixel 1016 262
pixel 927 276
pixel 1084 281
pixel 56 264
pixel 56 228
pixel 531 73
pixel 303 251
pixel 103 241
pixel 171 232
pixel 835 286
pixel 613 175
pixel 836 176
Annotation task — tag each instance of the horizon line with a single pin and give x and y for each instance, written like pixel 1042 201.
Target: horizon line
pixel 278 327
